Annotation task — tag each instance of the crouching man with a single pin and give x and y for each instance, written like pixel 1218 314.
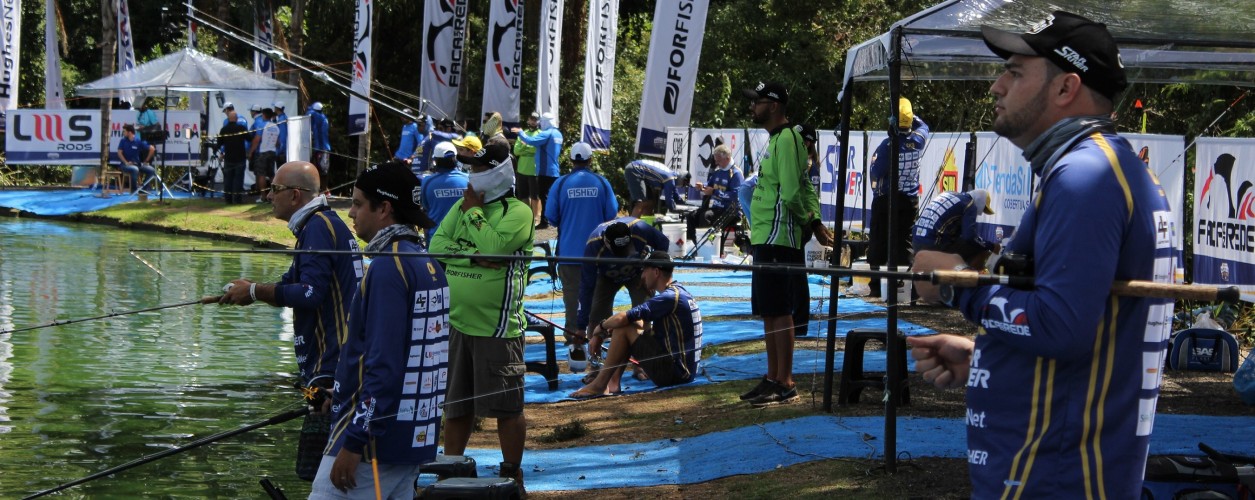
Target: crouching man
pixel 668 352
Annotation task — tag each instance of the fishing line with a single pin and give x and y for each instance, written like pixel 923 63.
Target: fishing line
pixel 154 268
pixel 203 300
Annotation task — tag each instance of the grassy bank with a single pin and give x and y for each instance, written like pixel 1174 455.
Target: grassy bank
pixel 250 222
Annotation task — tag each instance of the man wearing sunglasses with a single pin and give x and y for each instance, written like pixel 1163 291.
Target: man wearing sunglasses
pixel 318 287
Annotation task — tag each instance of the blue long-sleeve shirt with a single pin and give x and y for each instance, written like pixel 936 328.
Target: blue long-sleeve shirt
pixel 394 366
pixel 282 150
pixel 643 235
pixel 726 181
pixel 408 142
pixel 320 130
pixel 440 191
pixel 548 144
pixel 910 150
pixel 677 325
pixel 578 202
pixel 421 164
pixel 745 195
pixel 656 175
pixel 318 288
pixel 1064 379
pixel 948 223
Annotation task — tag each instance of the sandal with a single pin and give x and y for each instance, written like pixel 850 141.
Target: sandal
pixel 640 375
pixel 581 395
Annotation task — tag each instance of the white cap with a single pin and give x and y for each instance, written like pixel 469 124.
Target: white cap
pixel 227 106
pixel 444 150
pixel 317 106
pixel 255 107
pixel 581 151
pixel 277 105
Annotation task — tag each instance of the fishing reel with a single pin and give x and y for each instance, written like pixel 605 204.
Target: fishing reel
pixel 315 394
pixel 1011 264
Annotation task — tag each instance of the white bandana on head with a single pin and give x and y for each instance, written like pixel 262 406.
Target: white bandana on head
pixel 495 182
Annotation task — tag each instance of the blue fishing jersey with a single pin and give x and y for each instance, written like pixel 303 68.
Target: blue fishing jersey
pixel 643 236
pixel 578 202
pixel 677 324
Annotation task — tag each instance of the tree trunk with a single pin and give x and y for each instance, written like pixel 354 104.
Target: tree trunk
pixel 574 28
pixel 224 10
pixel 108 58
pixel 296 43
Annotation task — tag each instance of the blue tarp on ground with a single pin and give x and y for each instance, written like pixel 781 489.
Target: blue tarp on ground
pixel 761 448
pixel 67 201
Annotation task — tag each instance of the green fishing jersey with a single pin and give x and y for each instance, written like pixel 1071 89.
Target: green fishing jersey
pixel 784 201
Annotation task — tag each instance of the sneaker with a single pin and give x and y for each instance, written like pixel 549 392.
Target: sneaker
pixel 544 224
pixel 778 395
pixel 512 471
pixel 763 387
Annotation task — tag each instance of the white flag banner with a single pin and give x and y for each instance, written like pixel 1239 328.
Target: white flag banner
pixel 550 56
pixel 53 137
pixel 264 36
pixel 603 22
pixel 126 46
pixel 10 52
pixel 503 64
pixel 54 92
pixel 757 139
pixel 675 46
pixel 298 146
pixel 444 39
pixel 363 27
pixel 1006 175
pixel 1165 155
pixel 676 157
pixel 1224 213
pixel 941 165
pixel 191 26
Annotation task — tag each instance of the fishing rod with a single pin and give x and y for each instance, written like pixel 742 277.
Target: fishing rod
pixel 203 300
pixel 966 279
pixel 277 419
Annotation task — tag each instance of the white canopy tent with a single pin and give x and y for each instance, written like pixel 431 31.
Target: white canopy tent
pixel 1161 41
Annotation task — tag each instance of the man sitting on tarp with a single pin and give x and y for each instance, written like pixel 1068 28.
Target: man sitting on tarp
pixel 668 352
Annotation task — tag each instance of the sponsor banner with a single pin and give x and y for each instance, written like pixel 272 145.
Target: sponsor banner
pixel 1223 228
pixel 503 65
pixel 603 21
pixel 550 56
pixel 1002 170
pixel 1165 155
pixel 830 152
pixel 675 46
pixel 677 154
pixel 182 145
pixel 444 40
pixel 54 93
pixel 10 52
pixel 702 151
pixel 363 26
pixel 245 99
pixel 941 165
pixel 126 45
pixel 264 36
pixel 52 137
pixel 757 140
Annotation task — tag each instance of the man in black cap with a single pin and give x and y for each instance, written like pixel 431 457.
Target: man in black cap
pixel 386 424
pixel 600 281
pixel 783 208
pixel 668 351
pixel 1062 382
pixel 486 343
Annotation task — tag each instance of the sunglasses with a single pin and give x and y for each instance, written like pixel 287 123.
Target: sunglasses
pixel 279 188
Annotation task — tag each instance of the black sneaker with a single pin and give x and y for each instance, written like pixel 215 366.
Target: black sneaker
pixel 544 224
pixel 508 470
pixel 778 395
pixel 764 386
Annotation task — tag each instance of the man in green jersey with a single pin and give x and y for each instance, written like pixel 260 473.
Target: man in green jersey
pixel 486 310
pixel 783 213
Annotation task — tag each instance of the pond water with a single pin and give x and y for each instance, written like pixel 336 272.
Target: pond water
pixel 81 398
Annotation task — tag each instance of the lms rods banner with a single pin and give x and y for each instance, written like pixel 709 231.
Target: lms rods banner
pixel 550 56
pixel 503 65
pixel 444 40
pixel 603 22
pixel 674 49
pixel 363 27
pixel 53 137
pixel 1224 214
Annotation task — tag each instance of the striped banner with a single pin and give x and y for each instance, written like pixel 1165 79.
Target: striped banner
pixel 550 56
pixel 264 35
pixel 126 45
pixel 603 22
pixel 503 63
pixel 444 39
pixel 54 92
pixel 671 72
pixel 359 108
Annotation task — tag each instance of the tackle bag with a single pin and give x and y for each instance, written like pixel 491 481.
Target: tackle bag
pixel 1187 477
pixel 1203 349
pixel 1244 380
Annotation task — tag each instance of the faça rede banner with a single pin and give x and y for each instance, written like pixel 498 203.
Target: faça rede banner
pixel 182 147
pixel 53 137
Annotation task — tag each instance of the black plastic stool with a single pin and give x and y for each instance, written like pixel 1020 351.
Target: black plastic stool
pixel 485 488
pixel 447 466
pixel 852 380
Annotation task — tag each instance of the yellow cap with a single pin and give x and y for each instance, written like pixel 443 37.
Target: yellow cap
pixel 905 115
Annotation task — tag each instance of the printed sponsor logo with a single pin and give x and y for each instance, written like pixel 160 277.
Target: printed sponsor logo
pixel 508 72
pixel 977 457
pixel 605 36
pixel 1072 56
pixel 675 59
pixel 449 193
pixel 975 419
pixel 586 192
pixel 1014 322
pixel 452 17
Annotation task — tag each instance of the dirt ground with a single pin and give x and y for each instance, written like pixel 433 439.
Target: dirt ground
pixel 686 412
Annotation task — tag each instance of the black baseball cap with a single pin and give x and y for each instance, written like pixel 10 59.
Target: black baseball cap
pixel 618 237
pixel 393 181
pixel 807 132
pixel 658 259
pixel 768 90
pixel 492 154
pixel 1074 43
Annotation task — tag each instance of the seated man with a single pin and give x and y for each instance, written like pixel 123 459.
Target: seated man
pixel 720 192
pixel 948 224
pixel 644 176
pixel 668 352
pixel 135 156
